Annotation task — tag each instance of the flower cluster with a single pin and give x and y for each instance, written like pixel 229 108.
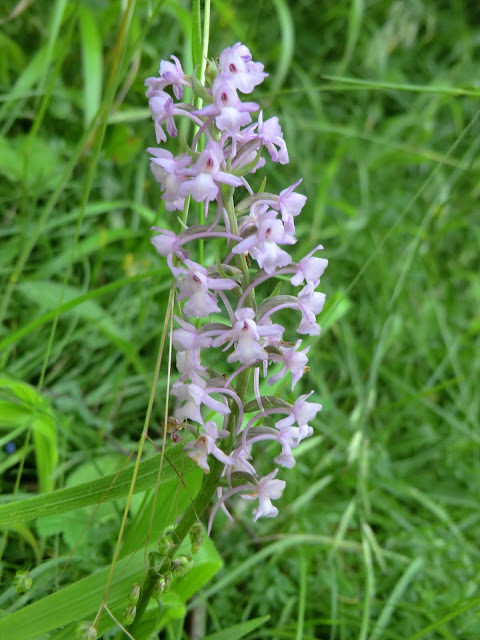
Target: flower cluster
pixel 250 238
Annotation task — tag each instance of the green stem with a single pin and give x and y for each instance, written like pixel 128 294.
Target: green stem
pixel 191 515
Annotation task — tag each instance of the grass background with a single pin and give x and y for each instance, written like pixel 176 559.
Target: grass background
pixel 378 527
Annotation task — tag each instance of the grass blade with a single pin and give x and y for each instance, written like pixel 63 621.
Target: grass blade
pixel 92 64
pixel 110 487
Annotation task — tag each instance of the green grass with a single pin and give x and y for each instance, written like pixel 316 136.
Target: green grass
pixel 377 536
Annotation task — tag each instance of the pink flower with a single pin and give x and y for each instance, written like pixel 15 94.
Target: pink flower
pixel 206 174
pixel 271 135
pixel 310 304
pixel 168 244
pixel 165 168
pixel 188 341
pixel 246 334
pixel 263 243
pixel 310 269
pixel 289 438
pixel 188 338
pixel 225 147
pixel 194 395
pixel 240 461
pixel 301 413
pixel 205 445
pixel 267 489
pixel 230 112
pixel 163 109
pixel 194 284
pixel 235 64
pixel 172 74
pixel 293 360
pixel 290 205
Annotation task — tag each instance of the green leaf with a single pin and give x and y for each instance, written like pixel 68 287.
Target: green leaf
pixel 92 63
pixel 357 9
pixel 115 485
pixel 81 600
pixel 238 630
pixel 44 160
pixel 152 516
pixel 207 563
pixel 22 406
pixel 24 532
pixel 29 76
pixel 14 336
pixel 287 43
pixel 92 244
pixel 100 518
pixel 10 160
pixel 78 601
pixel 335 308
pixel 52 294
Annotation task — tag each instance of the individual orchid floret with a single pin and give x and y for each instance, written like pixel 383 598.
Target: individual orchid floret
pixel 292 360
pixel 163 109
pixel 310 303
pixel 287 202
pixel 241 464
pixel 207 174
pixel 188 338
pixel 290 205
pixel 235 63
pixel 190 367
pixel 263 243
pixel 194 395
pixel 171 73
pixel 266 490
pixel 168 244
pixel 270 134
pixel 288 437
pixel 205 445
pixel 246 334
pixel 310 269
pixel 194 284
pixel 229 111
pixel 165 167
pixel 302 412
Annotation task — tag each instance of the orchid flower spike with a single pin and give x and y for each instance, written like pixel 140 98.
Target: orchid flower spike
pixel 228 336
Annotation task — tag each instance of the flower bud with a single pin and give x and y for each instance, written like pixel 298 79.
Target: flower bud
pixel 181 565
pixel 22 581
pixel 166 545
pixel 196 537
pixel 129 614
pixel 159 562
pixel 162 585
pixel 134 594
pixel 85 631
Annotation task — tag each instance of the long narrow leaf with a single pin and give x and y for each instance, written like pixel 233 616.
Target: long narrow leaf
pixel 80 600
pixel 89 493
pixel 239 630
pixel 92 63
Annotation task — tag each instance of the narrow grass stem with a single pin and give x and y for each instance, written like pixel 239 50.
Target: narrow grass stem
pixel 190 516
